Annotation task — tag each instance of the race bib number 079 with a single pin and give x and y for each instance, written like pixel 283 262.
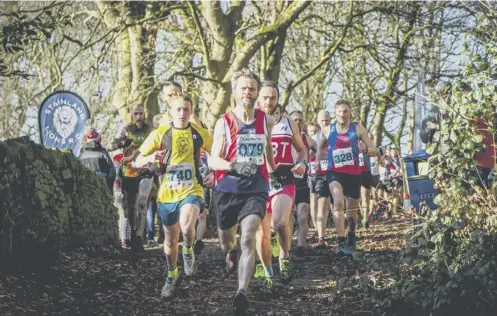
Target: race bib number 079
pixel 251 148
pixel 343 157
pixel 180 176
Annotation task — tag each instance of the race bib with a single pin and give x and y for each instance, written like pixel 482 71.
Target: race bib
pixel 312 167
pixel 323 164
pixel 296 176
pixel 343 157
pixel 180 176
pixel 361 160
pixel 251 148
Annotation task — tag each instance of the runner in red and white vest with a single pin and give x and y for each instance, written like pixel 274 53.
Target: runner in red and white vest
pixel 284 135
pixel 320 192
pixel 344 172
pixel 302 195
pixel 242 156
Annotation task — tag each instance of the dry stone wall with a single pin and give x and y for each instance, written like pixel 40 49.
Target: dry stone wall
pixel 50 202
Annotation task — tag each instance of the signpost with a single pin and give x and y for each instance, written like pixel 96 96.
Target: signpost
pixel 62 119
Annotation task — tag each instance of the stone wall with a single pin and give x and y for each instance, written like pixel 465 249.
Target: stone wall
pixel 49 202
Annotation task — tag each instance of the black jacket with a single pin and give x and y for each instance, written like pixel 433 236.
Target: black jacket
pixel 97 158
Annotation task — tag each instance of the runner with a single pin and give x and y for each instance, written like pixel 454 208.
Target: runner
pixel 367 183
pixel 320 193
pixel 312 129
pixel 172 89
pixel 177 147
pixel 202 219
pixel 129 139
pixel 302 196
pixel 344 173
pixel 375 172
pixel 284 135
pixel 242 155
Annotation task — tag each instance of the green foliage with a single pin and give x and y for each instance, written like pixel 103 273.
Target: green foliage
pixel 456 267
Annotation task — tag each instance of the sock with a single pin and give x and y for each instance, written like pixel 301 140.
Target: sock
pixel 172 271
pixel 268 271
pixel 187 249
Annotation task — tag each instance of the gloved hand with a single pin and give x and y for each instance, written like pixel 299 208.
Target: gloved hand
pixel 125 143
pixel 244 169
pixel 274 182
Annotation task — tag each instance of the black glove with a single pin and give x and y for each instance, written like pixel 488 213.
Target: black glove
pixel 244 169
pixel 274 182
pixel 125 143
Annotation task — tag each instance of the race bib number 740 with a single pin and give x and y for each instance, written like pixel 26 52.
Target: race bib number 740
pixel 251 148
pixel 180 176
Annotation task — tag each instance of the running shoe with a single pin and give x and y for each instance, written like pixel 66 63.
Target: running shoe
pixel 341 247
pixel 321 244
pixel 190 264
pixel 199 246
pixel 350 247
pixel 268 284
pixel 285 270
pixel 170 286
pixel 240 303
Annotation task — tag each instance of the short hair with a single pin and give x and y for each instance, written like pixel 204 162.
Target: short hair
pixel 139 105
pixel 173 83
pixel 271 84
pixel 184 98
pixel 244 73
pixel 296 112
pixel 313 124
pixel 342 102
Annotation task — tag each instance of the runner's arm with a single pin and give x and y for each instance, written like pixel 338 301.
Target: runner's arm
pixel 298 144
pixel 312 143
pixel 117 141
pixel 362 133
pixel 146 153
pixel 269 145
pixel 215 160
pixel 321 152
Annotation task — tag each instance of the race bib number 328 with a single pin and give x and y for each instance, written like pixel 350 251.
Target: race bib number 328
pixel 180 176
pixel 251 148
pixel 343 157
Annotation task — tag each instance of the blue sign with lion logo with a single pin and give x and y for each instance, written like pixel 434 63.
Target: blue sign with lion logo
pixel 62 118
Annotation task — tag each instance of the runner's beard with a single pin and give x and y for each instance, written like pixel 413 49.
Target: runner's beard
pixel 248 105
pixel 139 123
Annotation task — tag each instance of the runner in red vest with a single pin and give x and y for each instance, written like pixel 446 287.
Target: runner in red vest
pixel 344 172
pixel 242 155
pixel 284 135
pixel 302 196
pixel 320 192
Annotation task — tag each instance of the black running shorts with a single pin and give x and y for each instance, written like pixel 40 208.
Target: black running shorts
pixel 367 180
pixel 351 184
pixel 319 186
pixel 232 208
pixel 302 196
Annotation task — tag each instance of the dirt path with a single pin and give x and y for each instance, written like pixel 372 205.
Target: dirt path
pixel 116 282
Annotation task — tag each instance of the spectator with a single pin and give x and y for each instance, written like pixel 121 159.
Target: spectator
pixel 95 157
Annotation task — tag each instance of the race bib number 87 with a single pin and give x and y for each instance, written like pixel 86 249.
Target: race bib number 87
pixel 343 157
pixel 180 176
pixel 251 148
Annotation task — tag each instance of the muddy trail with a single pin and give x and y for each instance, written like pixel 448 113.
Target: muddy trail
pixel 118 282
